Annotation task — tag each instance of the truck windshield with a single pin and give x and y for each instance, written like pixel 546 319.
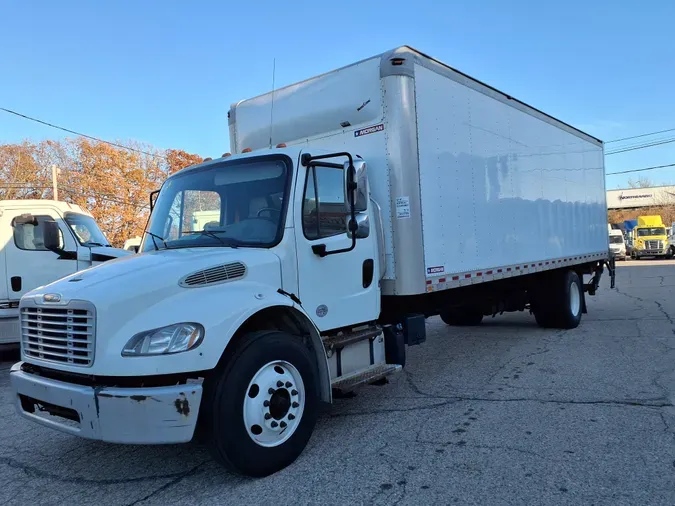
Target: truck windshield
pixel 231 204
pixel 651 231
pixel 86 230
pixel 615 239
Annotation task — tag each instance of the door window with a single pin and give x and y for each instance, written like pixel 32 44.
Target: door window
pixel 30 236
pixel 323 208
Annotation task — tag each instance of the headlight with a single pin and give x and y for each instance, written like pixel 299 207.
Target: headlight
pixel 165 340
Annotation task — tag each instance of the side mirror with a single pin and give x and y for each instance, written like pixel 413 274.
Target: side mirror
pixel 356 186
pixel 51 236
pixel 363 224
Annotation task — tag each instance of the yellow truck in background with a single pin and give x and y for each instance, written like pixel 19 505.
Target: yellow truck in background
pixel 649 238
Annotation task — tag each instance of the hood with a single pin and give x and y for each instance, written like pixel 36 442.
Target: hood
pixel 156 270
pixel 146 291
pixel 104 253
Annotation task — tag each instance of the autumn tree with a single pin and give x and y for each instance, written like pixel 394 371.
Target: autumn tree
pixel 177 159
pixel 112 183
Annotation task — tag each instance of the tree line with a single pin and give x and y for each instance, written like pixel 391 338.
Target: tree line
pixel 112 183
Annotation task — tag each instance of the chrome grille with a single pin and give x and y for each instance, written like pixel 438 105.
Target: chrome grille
pixel 59 334
pixel 654 244
pixel 212 275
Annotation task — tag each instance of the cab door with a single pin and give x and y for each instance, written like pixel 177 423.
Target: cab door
pixel 29 264
pixel 341 289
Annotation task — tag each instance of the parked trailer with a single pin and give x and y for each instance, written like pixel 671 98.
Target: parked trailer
pixel 398 188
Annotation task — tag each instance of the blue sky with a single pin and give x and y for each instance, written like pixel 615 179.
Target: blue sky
pixel 166 72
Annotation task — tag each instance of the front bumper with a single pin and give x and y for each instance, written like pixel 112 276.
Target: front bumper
pixel 650 252
pixel 156 415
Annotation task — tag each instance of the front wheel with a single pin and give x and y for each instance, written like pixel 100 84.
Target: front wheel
pixel 262 404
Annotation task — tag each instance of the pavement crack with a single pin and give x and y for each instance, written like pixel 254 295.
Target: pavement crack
pixel 177 479
pixel 521 357
pixel 659 402
pixel 411 383
pixel 666 425
pixel 35 472
pixel 393 410
pixel 665 313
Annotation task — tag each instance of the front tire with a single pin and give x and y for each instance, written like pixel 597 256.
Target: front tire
pixel 262 404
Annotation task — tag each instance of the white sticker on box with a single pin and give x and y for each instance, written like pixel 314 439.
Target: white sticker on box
pixel 402 207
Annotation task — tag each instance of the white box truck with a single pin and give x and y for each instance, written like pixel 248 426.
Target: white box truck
pixel 42 241
pixel 382 193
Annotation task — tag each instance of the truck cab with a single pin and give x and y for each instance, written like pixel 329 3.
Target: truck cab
pixel 649 238
pixel 42 241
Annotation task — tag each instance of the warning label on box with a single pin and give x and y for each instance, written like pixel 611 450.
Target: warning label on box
pixel 402 207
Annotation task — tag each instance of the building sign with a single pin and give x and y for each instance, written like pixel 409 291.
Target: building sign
pixel 641 197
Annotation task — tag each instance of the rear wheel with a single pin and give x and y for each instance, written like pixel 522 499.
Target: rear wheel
pixel 262 404
pixel 462 317
pixel 558 303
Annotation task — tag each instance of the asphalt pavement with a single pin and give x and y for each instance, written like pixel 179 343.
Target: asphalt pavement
pixel 503 413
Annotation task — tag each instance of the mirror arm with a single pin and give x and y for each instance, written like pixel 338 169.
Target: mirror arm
pixel 308 160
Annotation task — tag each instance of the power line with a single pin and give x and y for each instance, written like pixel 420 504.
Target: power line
pixel 641 170
pixel 641 146
pixel 97 195
pixel 641 135
pixel 81 134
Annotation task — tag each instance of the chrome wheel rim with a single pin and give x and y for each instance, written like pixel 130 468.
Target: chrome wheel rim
pixel 274 403
pixel 575 299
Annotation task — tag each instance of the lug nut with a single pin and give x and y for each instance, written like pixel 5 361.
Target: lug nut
pixel 280 384
pixel 289 384
pixel 294 392
pixel 291 416
pixel 282 425
pixel 266 403
pixel 295 405
pixel 271 391
pixel 267 416
pixel 274 424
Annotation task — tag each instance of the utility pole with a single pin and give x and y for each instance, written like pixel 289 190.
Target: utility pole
pixel 55 184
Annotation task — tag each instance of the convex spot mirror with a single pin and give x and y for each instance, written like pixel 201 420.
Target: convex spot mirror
pixel 357 193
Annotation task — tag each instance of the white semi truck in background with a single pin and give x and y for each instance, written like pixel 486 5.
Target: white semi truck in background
pixel 383 193
pixel 42 241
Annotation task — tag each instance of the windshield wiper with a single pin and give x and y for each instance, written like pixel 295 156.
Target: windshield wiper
pixel 155 236
pixel 92 243
pixel 225 241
